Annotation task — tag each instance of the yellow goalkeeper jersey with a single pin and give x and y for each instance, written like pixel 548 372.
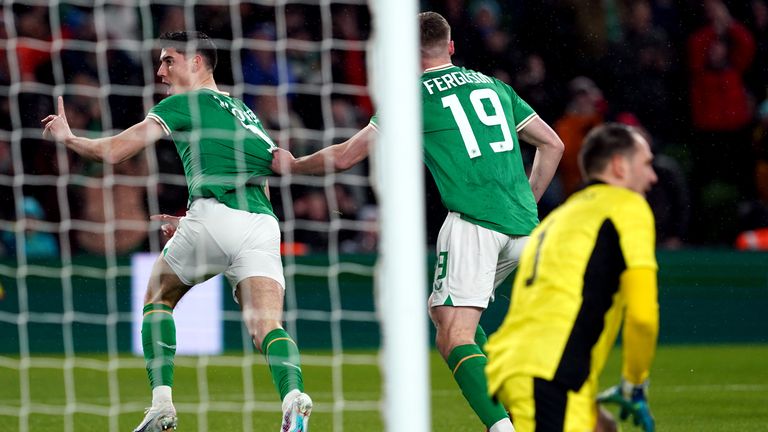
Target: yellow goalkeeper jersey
pixel 567 300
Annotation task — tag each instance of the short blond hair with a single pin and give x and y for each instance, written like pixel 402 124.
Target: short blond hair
pixel 435 33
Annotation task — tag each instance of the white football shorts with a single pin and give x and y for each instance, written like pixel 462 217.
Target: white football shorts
pixel 213 238
pixel 471 262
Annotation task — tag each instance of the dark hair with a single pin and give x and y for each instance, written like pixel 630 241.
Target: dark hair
pixel 186 42
pixel 435 30
pixel 602 143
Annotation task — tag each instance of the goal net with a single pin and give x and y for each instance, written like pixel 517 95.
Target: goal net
pixel 76 242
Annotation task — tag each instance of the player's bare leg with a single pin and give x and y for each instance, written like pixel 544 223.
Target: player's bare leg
pixel 261 301
pixel 455 340
pixel 158 335
pixel 455 325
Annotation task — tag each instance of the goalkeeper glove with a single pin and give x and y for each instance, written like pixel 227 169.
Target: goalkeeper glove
pixel 632 400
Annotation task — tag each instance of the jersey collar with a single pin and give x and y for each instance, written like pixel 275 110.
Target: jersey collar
pixel 439 68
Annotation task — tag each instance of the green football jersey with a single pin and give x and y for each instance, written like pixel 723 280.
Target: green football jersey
pixel 471 148
pixel 224 148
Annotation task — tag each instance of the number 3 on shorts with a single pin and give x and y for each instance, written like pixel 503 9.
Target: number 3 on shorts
pixel 441 270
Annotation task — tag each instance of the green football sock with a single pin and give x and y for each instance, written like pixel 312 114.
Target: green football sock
pixel 158 338
pixel 284 361
pixel 467 362
pixel 481 338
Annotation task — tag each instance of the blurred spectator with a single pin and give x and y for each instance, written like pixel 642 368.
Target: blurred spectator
pixel 349 64
pixel 641 62
pixel 34 35
pixel 266 106
pixel 719 54
pixel 173 19
pixel 309 209
pixel 346 115
pixel 760 146
pixel 304 59
pixel 463 31
pixel 171 195
pixel 367 239
pixel 84 106
pixel 36 243
pixel 118 213
pixel 669 197
pixel 78 23
pixel 123 21
pixel 758 25
pixel 585 110
pixel 260 67
pixel 597 25
pixel 314 209
pixel 491 46
pixel 535 86
pixel 5 72
pixel 7 210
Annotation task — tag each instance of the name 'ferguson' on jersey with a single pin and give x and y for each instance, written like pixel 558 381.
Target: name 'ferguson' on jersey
pixel 471 148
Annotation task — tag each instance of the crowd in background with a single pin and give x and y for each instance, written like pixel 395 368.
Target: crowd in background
pixel 692 75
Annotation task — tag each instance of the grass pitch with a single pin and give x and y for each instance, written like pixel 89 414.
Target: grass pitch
pixel 694 388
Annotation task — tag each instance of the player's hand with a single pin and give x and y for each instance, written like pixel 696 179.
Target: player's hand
pixel 632 401
pixel 168 224
pixel 56 127
pixel 281 161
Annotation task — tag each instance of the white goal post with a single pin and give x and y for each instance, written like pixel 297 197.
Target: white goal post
pixel 64 318
pixel 401 197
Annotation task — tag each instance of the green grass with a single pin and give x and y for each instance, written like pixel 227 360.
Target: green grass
pixel 697 388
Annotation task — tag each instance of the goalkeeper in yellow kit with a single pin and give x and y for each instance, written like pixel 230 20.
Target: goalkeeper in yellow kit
pixel 589 264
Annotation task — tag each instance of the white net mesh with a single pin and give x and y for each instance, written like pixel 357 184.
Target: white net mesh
pixel 70 226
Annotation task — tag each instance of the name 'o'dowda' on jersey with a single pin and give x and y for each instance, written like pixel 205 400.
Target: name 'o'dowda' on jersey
pixel 471 148
pixel 223 146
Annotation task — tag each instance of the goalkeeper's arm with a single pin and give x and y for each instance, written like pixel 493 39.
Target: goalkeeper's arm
pixel 641 327
pixel 113 149
pixel 338 157
pixel 641 323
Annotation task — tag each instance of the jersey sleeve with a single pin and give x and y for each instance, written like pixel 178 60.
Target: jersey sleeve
pixel 635 224
pixel 521 111
pixel 172 114
pixel 641 323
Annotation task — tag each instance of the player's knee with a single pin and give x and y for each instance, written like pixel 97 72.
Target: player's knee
pixel 161 297
pixel 446 342
pixel 262 329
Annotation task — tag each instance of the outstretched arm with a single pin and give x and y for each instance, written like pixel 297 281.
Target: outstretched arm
pixel 335 158
pixel 113 149
pixel 549 149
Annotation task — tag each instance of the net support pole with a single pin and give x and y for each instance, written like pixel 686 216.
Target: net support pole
pixel 401 277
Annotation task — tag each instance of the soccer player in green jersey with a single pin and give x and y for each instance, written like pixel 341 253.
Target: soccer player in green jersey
pixel 471 128
pixel 229 228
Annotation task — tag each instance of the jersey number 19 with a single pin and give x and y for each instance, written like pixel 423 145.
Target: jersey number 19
pixel 497 119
